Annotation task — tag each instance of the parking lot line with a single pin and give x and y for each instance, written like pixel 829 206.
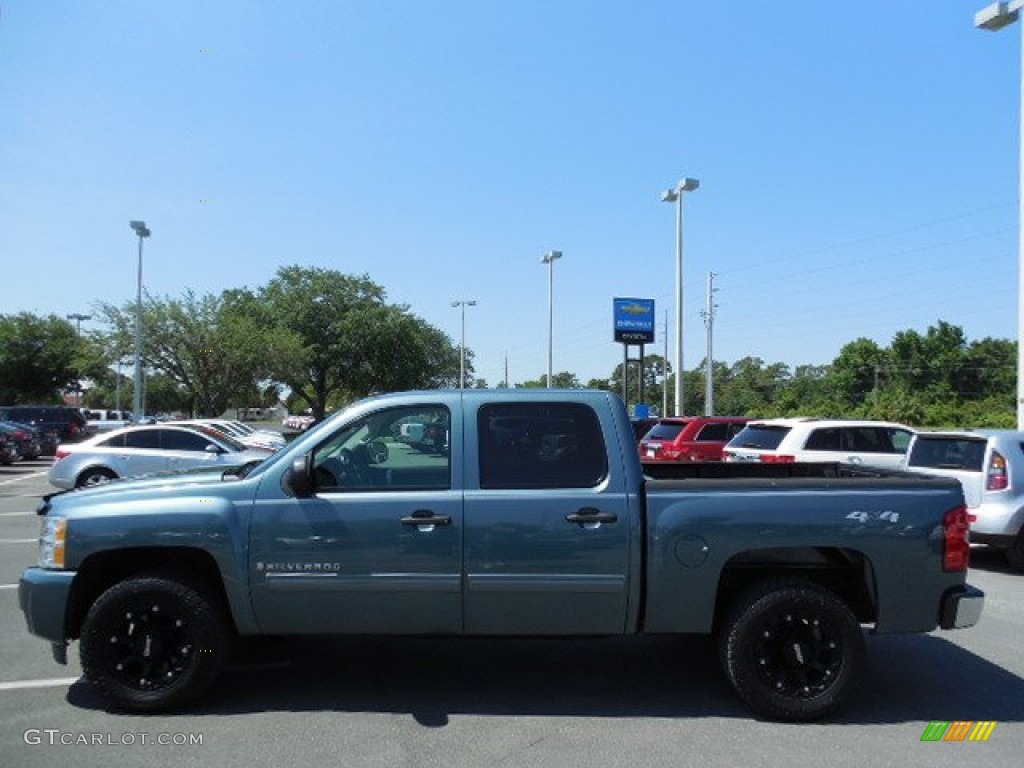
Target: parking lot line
pixel 54 682
pixel 16 514
pixel 18 541
pixel 8 586
pixel 23 477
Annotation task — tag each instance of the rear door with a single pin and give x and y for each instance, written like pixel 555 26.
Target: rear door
pixel 546 529
pixel 137 452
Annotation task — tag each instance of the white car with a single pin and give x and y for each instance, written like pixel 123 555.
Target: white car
pixel 134 451
pixel 869 443
pixel 243 433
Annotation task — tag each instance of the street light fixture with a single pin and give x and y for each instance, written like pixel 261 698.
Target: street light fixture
pixel 994 17
pixel 138 401
pixel 549 258
pixel 462 344
pixel 78 318
pixel 675 195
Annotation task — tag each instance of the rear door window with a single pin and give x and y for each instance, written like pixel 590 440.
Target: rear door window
pixel 540 445
pixel 713 433
pixel 827 439
pixel 142 438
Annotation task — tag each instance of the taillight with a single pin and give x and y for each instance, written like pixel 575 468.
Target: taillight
pixel 62 453
pixel 957 552
pixel 770 458
pixel 997 478
pixel 73 429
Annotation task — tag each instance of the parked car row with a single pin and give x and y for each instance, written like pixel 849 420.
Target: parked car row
pixel 988 463
pixel 69 423
pixel 19 440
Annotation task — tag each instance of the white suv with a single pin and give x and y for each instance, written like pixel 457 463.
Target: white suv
pixel 869 443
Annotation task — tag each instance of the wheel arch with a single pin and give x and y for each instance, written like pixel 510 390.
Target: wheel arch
pixel 847 573
pixel 103 570
pixel 95 468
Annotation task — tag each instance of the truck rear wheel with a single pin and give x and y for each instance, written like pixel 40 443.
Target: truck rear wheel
pixel 152 643
pixel 792 650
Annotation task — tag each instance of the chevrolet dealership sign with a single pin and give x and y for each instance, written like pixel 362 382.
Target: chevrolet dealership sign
pixel 634 320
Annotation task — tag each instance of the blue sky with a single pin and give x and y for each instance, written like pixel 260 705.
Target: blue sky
pixel 858 163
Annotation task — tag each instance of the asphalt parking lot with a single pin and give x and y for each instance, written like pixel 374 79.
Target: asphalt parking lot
pixel 398 702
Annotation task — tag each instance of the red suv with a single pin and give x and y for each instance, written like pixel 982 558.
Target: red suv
pixel 690 438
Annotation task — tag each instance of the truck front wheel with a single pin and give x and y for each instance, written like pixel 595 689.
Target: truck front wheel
pixel 792 650
pixel 153 643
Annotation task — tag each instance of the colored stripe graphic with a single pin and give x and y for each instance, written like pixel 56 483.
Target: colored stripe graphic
pixel 935 731
pixel 982 730
pixel 958 730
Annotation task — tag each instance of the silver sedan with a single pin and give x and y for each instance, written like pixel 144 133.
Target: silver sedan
pixel 134 451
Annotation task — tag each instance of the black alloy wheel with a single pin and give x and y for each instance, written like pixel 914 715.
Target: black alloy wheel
pixel 153 643
pixel 792 650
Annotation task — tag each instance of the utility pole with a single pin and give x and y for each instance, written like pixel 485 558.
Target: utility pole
pixel 709 321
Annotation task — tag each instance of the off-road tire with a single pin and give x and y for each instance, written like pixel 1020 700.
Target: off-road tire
pixel 792 650
pixel 154 642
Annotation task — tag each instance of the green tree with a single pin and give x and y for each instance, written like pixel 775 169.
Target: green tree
pixel 201 344
pixel 563 380
pixel 37 358
pixel 331 338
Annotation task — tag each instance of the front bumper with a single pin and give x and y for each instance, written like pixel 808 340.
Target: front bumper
pixel 43 596
pixel 961 607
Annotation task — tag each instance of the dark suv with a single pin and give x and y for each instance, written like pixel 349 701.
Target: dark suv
pixel 690 438
pixel 69 422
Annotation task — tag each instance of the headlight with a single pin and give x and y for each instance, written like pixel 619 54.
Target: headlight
pixel 51 542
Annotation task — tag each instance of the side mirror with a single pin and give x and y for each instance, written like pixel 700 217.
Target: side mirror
pixel 213 449
pixel 300 479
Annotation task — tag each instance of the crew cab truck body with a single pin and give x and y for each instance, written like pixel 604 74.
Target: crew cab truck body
pixel 538 519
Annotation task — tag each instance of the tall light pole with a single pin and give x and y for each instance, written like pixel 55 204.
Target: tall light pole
pixel 994 17
pixel 78 318
pixel 549 258
pixel 675 195
pixel 462 344
pixel 138 401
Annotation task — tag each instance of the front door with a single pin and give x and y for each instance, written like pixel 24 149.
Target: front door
pixel 377 547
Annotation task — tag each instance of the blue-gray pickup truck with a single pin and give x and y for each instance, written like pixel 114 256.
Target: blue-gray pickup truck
pixel 528 513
